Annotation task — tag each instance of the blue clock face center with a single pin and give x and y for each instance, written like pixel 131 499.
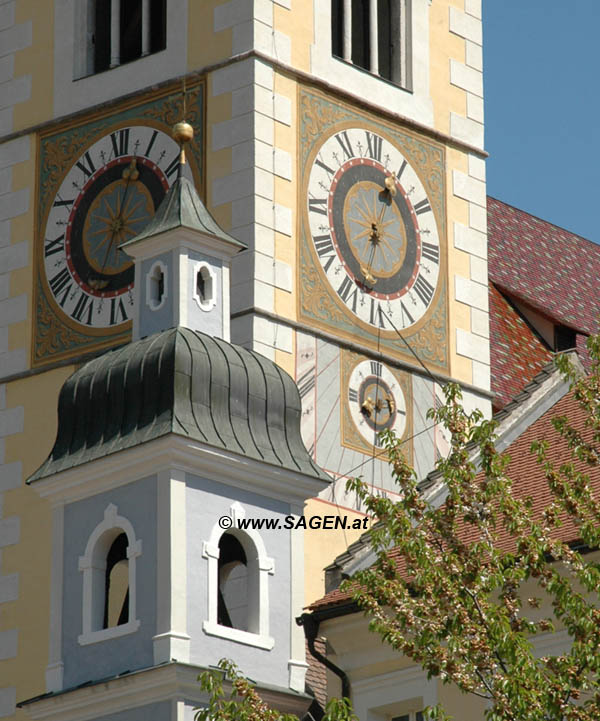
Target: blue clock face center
pixel 118 213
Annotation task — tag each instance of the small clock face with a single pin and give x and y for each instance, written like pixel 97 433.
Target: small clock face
pixel 376 401
pixel 107 196
pixel 373 229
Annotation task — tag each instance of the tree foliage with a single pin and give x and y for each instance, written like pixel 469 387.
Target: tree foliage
pixel 465 589
pixel 241 701
pixel 473 583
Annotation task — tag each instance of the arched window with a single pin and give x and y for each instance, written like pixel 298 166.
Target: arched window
pixel 116 584
pixel 233 583
pixel 238 578
pixel 108 568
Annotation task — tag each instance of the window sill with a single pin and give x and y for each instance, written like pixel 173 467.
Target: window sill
pixel 107 634
pixel 235 634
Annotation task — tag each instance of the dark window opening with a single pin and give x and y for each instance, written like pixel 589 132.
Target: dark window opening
pixel 116 584
pixel 386 61
pixel 233 584
pixel 360 33
pixel 129 29
pixel 564 338
pixel 337 28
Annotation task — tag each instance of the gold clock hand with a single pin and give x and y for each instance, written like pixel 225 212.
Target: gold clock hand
pixel 376 236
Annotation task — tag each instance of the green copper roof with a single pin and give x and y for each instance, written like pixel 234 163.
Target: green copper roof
pixel 184 382
pixel 182 207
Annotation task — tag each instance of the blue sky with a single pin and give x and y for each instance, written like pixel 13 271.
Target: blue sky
pixel 542 108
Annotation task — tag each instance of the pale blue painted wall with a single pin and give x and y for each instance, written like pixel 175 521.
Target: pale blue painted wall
pixel 153 321
pixel 136 502
pixel 206 502
pixel 209 322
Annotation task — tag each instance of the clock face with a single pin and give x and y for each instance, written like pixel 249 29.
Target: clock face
pixel 376 401
pixel 105 198
pixel 373 229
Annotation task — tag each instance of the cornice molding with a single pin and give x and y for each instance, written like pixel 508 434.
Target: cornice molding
pixel 173 451
pixel 301 75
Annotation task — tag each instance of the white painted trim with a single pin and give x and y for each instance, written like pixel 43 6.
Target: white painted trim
pixel 147 459
pixel 106 634
pixel 260 566
pixel 207 305
pixel 93 565
pixel 184 239
pixel 415 101
pixel 171 639
pixel 54 670
pixel 150 302
pixel 147 686
pixel 72 94
pixel 234 634
pixel 297 674
pixel 297 602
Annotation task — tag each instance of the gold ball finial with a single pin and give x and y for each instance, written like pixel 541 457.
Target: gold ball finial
pixel 182 132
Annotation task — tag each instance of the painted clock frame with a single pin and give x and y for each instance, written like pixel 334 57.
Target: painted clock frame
pixel 56 334
pixel 319 305
pixel 400 384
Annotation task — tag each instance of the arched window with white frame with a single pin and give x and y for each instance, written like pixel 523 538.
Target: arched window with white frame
pixel 109 579
pixel 238 584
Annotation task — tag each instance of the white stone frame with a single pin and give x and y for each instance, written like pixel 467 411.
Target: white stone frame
pixel 70 43
pixel 93 566
pixel 206 306
pixel 412 101
pixel 149 278
pixel 259 568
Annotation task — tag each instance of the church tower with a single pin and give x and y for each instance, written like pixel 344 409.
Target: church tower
pixel 164 447
pixel 341 141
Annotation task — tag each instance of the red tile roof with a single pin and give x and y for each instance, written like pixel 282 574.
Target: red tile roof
pixel 517 352
pixel 551 269
pixel 527 477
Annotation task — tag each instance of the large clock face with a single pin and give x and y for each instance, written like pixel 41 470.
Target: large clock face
pixel 373 229
pixel 105 198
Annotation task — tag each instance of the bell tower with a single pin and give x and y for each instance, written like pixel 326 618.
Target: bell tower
pixel 172 453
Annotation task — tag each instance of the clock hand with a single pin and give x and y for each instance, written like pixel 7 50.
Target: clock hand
pixel 376 236
pixel 130 173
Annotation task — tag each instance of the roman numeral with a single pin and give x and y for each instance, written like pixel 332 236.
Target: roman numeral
pixel 324 248
pixel 374 145
pixel 117 308
pixel 352 395
pixel 120 142
pixel 317 205
pixel 59 201
pixel 306 382
pixel 172 168
pixel 330 171
pixel 423 289
pixel 53 246
pixel 402 167
pixel 405 312
pixel 85 304
pixel 422 207
pixel 376 316
pixel 346 294
pixel 61 282
pixel 431 251
pixel 343 140
pixel 376 368
pixel 88 170
pixel 323 245
pixel 151 143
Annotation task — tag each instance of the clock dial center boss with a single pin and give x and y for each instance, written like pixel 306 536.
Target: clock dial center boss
pixel 373 229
